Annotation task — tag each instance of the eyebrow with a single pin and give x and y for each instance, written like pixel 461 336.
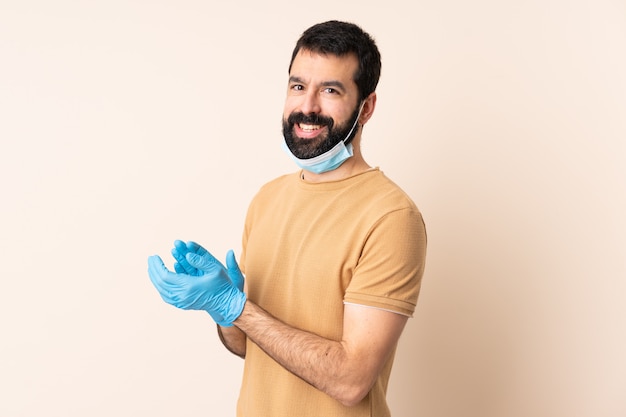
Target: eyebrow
pixel 330 83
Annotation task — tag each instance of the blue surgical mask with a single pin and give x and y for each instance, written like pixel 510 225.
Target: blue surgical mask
pixel 327 161
pixel 331 159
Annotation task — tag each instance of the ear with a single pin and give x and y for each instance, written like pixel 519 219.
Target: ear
pixel 368 108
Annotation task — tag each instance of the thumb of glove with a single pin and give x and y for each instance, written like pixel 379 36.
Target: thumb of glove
pixel 234 273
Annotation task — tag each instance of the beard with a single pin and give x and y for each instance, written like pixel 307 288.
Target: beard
pixel 310 148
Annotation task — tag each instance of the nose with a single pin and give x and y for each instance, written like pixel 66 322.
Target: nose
pixel 310 103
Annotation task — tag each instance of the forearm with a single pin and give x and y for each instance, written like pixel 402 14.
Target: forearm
pixel 326 364
pixel 233 339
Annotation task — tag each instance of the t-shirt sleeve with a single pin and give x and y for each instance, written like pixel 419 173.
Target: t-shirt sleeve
pixel 389 272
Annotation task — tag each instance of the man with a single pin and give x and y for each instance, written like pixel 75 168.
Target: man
pixel 333 254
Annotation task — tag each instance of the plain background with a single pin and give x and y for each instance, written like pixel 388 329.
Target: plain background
pixel 127 124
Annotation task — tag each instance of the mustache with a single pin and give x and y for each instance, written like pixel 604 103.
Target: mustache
pixel 311 119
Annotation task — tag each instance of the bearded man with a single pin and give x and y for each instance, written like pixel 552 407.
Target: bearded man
pixel 333 254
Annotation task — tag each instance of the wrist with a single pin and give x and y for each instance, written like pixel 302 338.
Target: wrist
pixel 232 310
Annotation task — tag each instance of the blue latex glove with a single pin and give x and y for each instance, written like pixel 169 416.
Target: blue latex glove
pixel 180 251
pixel 182 266
pixel 211 290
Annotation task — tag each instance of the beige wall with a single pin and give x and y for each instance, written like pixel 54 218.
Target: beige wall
pixel 126 125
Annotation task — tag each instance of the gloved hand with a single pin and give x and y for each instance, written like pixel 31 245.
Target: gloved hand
pixel 179 252
pixel 182 266
pixel 211 290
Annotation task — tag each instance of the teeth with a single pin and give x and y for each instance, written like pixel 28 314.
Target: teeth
pixel 309 128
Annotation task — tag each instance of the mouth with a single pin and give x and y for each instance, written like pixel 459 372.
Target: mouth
pixel 309 128
pixel 308 131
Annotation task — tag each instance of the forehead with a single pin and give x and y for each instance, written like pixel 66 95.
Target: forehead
pixel 316 67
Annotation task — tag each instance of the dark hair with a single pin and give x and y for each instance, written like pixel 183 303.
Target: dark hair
pixel 340 39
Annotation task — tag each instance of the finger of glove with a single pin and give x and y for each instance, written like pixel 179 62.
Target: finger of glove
pixel 179 251
pixel 179 268
pixel 182 266
pixel 165 278
pixel 234 272
pixel 194 247
pixel 158 274
pixel 205 262
pixel 179 290
pixel 190 246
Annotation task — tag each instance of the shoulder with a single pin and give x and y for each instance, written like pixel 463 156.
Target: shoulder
pixel 380 193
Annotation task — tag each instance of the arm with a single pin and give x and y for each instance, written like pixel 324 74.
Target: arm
pixel 345 369
pixel 233 339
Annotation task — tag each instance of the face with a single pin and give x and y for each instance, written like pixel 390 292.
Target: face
pixel 322 103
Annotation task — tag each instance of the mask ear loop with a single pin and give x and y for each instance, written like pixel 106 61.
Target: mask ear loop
pixel 356 122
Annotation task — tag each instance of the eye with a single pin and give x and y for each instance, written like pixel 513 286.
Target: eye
pixel 330 90
pixel 296 87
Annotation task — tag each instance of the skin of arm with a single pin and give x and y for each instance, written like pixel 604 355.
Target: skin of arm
pixel 345 369
pixel 233 339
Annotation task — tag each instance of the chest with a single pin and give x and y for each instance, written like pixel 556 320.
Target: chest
pixel 300 258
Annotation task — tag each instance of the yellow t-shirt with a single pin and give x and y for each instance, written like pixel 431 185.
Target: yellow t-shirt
pixel 308 248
